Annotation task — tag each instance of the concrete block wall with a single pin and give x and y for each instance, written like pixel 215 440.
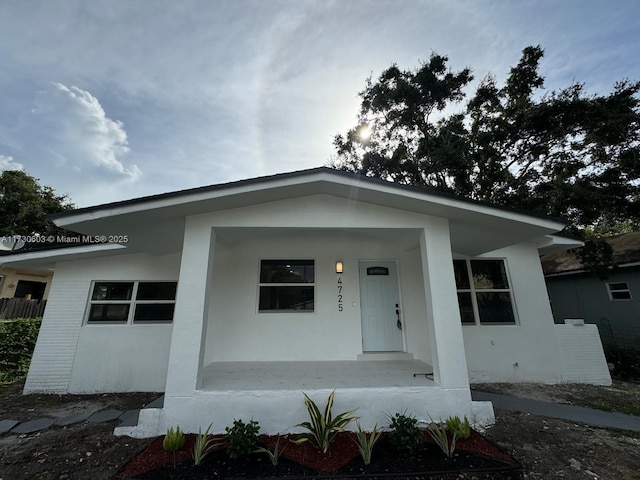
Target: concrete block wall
pixel 56 346
pixel 582 355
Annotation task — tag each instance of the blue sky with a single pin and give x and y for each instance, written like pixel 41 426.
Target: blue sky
pixel 109 100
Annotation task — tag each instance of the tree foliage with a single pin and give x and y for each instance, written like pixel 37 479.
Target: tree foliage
pixel 25 205
pixel 565 153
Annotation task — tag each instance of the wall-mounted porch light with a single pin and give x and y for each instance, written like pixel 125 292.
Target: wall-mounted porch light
pixel 338 266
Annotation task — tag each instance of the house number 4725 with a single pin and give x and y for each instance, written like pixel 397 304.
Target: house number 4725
pixel 340 305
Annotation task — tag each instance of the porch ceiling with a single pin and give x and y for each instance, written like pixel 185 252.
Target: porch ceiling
pixel 249 376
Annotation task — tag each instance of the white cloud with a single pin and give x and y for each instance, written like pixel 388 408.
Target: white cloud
pixel 7 163
pixel 64 137
pixel 79 135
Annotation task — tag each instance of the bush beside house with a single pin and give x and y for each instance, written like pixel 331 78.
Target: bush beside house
pixel 17 341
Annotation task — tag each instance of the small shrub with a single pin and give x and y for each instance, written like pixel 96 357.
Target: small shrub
pixel 173 441
pixel 17 341
pixel 366 443
pixel 405 436
pixel 274 455
pixel 202 446
pixel 460 428
pixel 242 438
pixel 439 435
pixel 323 427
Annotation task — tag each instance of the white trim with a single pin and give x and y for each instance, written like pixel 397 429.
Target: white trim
pixel 474 291
pixel 299 284
pixel 610 292
pixel 322 179
pixel 54 253
pixel 132 303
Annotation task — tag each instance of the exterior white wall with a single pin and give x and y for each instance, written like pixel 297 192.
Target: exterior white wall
pixel 278 411
pixel 121 358
pixel 528 351
pixel 237 332
pixel 69 355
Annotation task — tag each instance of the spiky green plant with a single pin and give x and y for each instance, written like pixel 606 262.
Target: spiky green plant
pixel 202 446
pixel 462 428
pixel 366 442
pixel 173 441
pixel 323 427
pixel 439 435
pixel 274 455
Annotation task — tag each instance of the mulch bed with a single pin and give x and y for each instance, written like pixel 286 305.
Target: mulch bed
pixel 476 454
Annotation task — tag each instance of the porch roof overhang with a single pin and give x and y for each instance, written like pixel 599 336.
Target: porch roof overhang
pixel 155 224
pixel 46 259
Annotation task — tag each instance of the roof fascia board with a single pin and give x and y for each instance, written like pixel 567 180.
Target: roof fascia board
pixel 59 253
pixel 322 174
pixel 461 204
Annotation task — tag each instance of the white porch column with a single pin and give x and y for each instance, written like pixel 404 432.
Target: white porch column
pixel 192 307
pixel 443 314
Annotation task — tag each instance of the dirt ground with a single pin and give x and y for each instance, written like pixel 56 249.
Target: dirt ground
pixel 548 448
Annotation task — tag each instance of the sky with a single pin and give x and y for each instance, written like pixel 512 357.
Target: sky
pixel 111 100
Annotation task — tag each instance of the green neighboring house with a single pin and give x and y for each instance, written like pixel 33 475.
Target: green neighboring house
pixel 612 304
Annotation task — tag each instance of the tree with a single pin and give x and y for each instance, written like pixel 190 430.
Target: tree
pixel 565 153
pixel 25 205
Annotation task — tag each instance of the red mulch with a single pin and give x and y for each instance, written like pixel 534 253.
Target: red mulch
pixel 343 450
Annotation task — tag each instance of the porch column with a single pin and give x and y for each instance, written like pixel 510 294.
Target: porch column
pixel 191 311
pixel 443 316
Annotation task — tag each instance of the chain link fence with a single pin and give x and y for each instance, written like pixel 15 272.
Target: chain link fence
pixel 621 345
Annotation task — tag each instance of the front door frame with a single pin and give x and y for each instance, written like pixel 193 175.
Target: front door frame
pixel 361 265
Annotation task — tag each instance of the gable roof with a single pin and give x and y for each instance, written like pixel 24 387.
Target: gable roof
pixel 155 224
pixel 626 252
pixel 178 195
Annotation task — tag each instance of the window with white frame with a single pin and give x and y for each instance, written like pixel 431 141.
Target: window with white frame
pixel 132 302
pixel 618 291
pixel 286 286
pixel 484 294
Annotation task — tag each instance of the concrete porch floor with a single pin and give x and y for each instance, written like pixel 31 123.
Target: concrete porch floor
pixel 248 376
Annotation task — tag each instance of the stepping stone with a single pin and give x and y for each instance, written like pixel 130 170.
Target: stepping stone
pixel 104 416
pixel 129 418
pixel 73 418
pixel 33 425
pixel 157 403
pixel 6 425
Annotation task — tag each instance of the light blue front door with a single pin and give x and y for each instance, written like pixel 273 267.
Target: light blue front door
pixel 380 307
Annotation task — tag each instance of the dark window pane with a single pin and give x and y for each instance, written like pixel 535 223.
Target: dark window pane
pixel 466 308
pixel 154 312
pixel 156 291
pixel 489 274
pixel 377 271
pixel 114 313
pixel 112 291
pixel 286 298
pixel 618 286
pixel 462 276
pixel 495 307
pixel 287 271
pixel 621 295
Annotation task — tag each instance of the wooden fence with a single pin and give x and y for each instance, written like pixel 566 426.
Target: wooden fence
pixel 21 308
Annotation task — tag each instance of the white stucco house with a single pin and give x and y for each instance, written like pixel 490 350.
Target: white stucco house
pixel 233 299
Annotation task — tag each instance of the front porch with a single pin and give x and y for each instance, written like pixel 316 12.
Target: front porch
pixel 303 376
pixel 272 394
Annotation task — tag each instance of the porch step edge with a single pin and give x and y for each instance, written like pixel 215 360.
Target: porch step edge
pixel 385 356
